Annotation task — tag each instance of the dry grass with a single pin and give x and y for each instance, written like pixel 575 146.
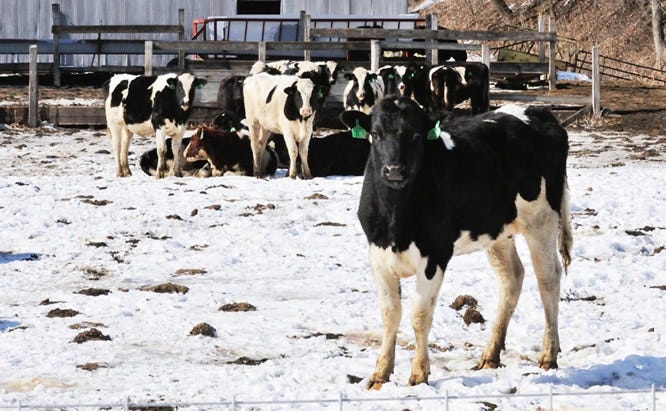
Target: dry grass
pixel 621 28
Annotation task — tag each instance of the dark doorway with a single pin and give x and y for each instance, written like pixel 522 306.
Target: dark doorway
pixel 258 7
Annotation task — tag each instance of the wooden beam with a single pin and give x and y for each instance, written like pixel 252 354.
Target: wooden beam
pixel 434 34
pixel 575 116
pixel 564 100
pixel 117 28
pixel 518 68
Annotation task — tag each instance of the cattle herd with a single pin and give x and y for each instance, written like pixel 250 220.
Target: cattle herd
pixel 436 183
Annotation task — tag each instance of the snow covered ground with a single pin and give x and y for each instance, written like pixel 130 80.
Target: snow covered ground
pixel 80 250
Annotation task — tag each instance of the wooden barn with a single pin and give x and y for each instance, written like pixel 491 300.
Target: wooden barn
pixel 30 21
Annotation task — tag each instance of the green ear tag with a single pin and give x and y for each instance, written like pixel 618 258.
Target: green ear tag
pixel 434 132
pixel 359 132
pixel 232 129
pixel 201 136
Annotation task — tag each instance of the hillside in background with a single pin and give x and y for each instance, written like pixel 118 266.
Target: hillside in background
pixel 621 28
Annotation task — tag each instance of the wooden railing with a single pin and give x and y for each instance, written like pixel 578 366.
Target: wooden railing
pixel 58 30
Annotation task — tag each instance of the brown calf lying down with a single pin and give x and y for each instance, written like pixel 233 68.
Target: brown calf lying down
pixel 227 151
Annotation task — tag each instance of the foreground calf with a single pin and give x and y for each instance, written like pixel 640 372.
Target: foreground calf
pixel 432 192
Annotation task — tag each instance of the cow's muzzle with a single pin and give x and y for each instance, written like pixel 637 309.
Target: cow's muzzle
pixel 306 111
pixel 393 173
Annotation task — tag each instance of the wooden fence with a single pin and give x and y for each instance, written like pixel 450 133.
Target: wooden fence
pixel 374 40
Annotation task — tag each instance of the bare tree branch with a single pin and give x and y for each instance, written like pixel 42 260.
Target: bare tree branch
pixel 504 10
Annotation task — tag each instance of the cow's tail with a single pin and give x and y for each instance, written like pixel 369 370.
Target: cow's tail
pixel 566 238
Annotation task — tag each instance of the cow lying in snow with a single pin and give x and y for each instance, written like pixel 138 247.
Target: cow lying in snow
pixel 148 162
pixel 431 192
pixel 147 105
pixel 338 154
pixel 215 151
pixel 227 152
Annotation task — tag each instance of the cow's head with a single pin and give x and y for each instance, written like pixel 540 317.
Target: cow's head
pixel 185 86
pixel 363 81
pixel 397 129
pixel 303 99
pixel 415 76
pixel 391 78
pixel 230 121
pixel 195 149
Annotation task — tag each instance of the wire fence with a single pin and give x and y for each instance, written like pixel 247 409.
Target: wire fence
pixel 444 402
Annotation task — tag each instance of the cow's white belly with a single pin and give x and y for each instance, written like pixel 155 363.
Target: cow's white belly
pixel 144 129
pixel 402 264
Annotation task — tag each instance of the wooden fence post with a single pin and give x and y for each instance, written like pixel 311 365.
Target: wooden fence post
pixel 485 55
pixel 261 51
pixel 181 37
pixel 552 70
pixel 375 52
pixel 306 36
pixel 541 27
pixel 55 14
pixel 33 86
pixel 148 58
pixel 596 83
pixel 432 55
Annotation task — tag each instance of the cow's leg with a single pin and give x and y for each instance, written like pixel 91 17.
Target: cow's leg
pixel 423 307
pixel 303 153
pixel 176 144
pixel 504 259
pixel 292 149
pixel 160 140
pixel 388 293
pixel 542 243
pixel 114 134
pixel 125 138
pixel 258 140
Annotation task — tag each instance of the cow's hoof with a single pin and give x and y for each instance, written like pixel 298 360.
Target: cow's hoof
pixel 487 364
pixel 375 385
pixel 417 379
pixel 547 364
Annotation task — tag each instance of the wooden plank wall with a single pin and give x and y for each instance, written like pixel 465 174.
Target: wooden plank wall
pixel 32 20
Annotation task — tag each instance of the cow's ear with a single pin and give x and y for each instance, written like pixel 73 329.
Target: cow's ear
pixel 291 90
pixel 357 121
pixel 349 76
pixel 200 82
pixel 172 83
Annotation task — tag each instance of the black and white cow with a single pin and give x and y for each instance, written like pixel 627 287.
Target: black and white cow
pixel 451 85
pixel 414 84
pixel 363 90
pixel 281 104
pixel 147 105
pixel 230 95
pixel 431 192
pixel 148 161
pixel 392 78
